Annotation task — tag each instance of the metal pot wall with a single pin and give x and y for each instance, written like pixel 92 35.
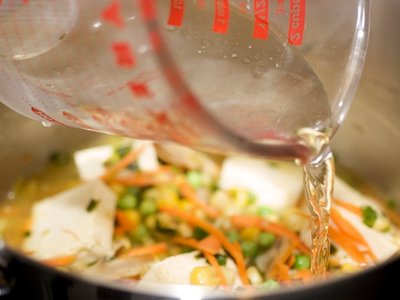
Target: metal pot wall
pixel 368 143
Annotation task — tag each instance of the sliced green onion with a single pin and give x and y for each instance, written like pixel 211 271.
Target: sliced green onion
pixel 221 259
pixel 92 205
pixel 60 158
pixel 369 216
pixel 199 233
pixel 264 211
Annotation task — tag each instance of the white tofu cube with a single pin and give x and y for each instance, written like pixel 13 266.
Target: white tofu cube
pixel 62 224
pixel 383 244
pixel 90 162
pixel 174 269
pixel 276 185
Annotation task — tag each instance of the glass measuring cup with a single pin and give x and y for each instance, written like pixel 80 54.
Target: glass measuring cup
pixel 222 75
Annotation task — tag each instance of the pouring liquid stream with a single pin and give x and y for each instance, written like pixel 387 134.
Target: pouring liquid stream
pixel 318 181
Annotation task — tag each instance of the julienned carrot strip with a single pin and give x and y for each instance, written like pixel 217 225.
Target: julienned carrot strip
pixel 190 194
pixel 214 263
pixel 146 178
pixel 348 206
pixel 230 248
pixel 305 275
pixel 347 244
pixel 146 250
pixel 188 242
pixel 60 261
pixel 243 221
pixel 347 228
pixel 210 244
pixel 276 268
pixel 123 163
pixel 126 219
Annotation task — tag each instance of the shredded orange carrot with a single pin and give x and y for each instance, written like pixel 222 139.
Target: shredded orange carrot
pixel 190 194
pixel 143 179
pixel 188 242
pixel 305 275
pixel 229 247
pixel 214 263
pixel 146 250
pixel 283 272
pixel 349 206
pixel 210 244
pixel 61 261
pixel 276 267
pixel 347 244
pixel 243 221
pixel 347 228
pixel 123 163
pixel 125 221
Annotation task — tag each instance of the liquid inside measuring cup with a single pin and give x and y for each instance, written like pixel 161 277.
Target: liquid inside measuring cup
pixel 256 87
pixel 263 90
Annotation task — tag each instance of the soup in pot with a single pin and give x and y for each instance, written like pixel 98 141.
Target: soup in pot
pixel 151 213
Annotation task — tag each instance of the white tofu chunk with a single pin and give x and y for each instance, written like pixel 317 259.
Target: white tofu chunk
pixel 147 160
pixel 62 225
pixel 90 162
pixel 174 269
pixel 276 185
pixel 383 244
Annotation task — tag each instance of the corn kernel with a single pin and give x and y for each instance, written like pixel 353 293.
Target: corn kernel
pixel 205 275
pixel 250 233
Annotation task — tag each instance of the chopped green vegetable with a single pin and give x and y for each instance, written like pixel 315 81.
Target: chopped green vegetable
pixel 140 234
pixel 266 239
pixel 252 198
pixel 148 207
pixel 127 201
pixel 249 248
pixel 270 284
pixel 369 216
pixel 92 205
pixel 232 236
pixel 221 259
pixel 195 178
pixel 391 203
pixel 199 233
pixel 302 262
pixel 264 211
pixel 60 158
pixel 123 150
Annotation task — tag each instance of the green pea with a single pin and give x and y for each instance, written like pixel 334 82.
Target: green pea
pixel 266 239
pixel 302 262
pixel 127 201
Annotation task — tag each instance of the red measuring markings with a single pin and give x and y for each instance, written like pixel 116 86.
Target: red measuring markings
pixel 123 54
pixel 201 4
pixel 296 22
pixel 45 116
pixel 261 11
pixel 139 89
pixel 221 16
pixel 112 14
pixel 25 1
pixel 177 8
pixel 243 7
pixel 75 120
pixel 280 9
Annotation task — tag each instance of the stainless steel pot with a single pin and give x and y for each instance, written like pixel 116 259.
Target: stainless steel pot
pixel 368 143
